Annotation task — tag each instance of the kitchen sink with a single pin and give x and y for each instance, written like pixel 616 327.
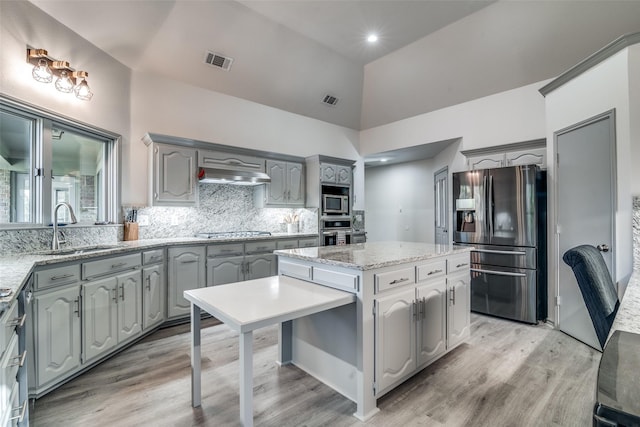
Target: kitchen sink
pixel 77 250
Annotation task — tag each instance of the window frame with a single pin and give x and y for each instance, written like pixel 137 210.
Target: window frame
pixel 41 162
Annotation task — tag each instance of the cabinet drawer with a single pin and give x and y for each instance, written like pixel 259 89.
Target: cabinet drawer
pixel 57 276
pixel 9 323
pixel 110 265
pixel 152 257
pixel 336 279
pixel 11 361
pixel 293 269
pixel 232 249
pixel 286 244
pixel 259 247
pixel 394 279
pixel 308 243
pixel 431 270
pixel 458 263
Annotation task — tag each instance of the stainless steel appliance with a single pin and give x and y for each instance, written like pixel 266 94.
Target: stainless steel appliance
pixel 335 200
pixel 502 213
pixel 336 232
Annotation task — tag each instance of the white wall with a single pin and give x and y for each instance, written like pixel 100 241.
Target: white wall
pixel 634 113
pixel 399 202
pixel 601 88
pixel 169 107
pixel 24 24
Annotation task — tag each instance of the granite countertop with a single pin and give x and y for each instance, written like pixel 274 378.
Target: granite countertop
pixel 371 255
pixel 628 316
pixel 16 268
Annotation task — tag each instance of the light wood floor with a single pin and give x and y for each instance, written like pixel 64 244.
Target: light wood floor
pixel 508 374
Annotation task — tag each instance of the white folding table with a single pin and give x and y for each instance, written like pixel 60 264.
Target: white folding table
pixel 245 306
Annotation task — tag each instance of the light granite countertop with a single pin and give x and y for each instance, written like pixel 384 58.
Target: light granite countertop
pixel 15 269
pixel 371 255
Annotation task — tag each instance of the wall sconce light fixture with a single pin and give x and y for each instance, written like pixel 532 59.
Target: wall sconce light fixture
pixel 46 68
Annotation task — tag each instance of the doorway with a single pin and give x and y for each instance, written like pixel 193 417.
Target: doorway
pixel 586 201
pixel 441 206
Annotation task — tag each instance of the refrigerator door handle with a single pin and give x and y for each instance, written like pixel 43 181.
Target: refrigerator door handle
pixel 485 199
pixel 498 273
pixel 491 251
pixel 490 205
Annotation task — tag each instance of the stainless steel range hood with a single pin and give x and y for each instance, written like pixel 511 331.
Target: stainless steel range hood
pixel 231 176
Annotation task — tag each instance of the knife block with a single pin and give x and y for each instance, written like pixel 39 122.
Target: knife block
pixel 130 231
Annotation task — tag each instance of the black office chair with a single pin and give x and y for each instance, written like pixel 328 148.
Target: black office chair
pixel 596 286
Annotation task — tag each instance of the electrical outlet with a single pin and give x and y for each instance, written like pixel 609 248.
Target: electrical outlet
pixel 143 220
pixel 175 221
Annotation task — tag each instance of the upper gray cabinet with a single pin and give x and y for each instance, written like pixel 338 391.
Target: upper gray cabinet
pixel 232 161
pixel 524 153
pixel 337 174
pixel 173 176
pixel 287 186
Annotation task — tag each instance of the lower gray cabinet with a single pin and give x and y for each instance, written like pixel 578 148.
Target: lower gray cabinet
pixel 459 309
pixel 186 270
pixel 154 296
pixel 258 266
pixel 57 333
pixel 236 269
pixel 432 321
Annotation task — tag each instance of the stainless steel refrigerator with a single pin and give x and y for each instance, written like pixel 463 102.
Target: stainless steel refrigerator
pixel 502 213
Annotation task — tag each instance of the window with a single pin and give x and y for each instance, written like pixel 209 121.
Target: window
pixel 45 160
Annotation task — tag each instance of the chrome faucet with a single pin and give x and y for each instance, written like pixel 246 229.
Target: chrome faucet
pixel 55 242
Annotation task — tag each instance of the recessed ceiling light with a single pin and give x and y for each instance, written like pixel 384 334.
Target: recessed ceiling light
pixel 383 160
pixel 372 38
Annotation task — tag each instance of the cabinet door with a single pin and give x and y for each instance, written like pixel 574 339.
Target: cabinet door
pixel 328 172
pixel 432 320
pixel 458 309
pixel 225 270
pixel 174 176
pixel 295 184
pixel 277 188
pixel 343 174
pixel 153 296
pixel 57 320
pixel 395 338
pixel 186 271
pixel 129 305
pixel 100 317
pixel 486 161
pixel 259 266
pixel 534 156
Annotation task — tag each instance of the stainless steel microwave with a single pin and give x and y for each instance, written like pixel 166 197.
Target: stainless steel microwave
pixel 333 204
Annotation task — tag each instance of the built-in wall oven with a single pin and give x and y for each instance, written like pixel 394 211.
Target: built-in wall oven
pixel 336 232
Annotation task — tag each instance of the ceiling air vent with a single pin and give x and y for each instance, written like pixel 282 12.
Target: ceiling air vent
pixel 217 60
pixel 330 100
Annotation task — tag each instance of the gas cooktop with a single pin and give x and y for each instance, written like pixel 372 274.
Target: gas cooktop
pixel 232 234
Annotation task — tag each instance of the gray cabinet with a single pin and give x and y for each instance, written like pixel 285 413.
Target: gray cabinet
pixel 518 154
pixel 174 176
pixel 486 161
pixel 287 186
pixel 458 308
pixel 225 270
pixel 227 263
pixel 186 270
pixel 432 321
pixel 154 296
pixel 533 156
pixel 129 305
pixel 258 266
pixel 337 174
pixel 57 333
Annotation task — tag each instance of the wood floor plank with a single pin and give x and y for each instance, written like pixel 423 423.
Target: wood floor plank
pixel 507 374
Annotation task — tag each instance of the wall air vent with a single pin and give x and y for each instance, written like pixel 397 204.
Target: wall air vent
pixel 217 60
pixel 330 100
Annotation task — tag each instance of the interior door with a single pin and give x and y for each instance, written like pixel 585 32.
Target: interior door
pixel 441 203
pixel 586 204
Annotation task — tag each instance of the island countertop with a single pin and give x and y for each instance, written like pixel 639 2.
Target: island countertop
pixel 372 255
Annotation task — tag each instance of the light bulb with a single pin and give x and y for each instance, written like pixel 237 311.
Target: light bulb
pixel 64 83
pixel 41 72
pixel 83 91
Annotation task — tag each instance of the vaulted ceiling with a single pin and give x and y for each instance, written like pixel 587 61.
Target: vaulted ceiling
pixel 290 54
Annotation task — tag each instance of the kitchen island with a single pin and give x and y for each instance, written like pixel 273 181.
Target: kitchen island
pixel 411 308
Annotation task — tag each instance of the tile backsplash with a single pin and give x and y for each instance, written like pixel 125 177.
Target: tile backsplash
pixel 221 208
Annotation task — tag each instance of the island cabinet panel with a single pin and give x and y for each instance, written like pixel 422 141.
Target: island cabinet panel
pixel 186 271
pixel 459 309
pixel 395 338
pixel 336 279
pixel 294 269
pixel 432 321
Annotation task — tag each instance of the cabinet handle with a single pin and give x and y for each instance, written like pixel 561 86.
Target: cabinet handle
pixel 149 283
pixel 395 282
pixel 434 272
pixel 462 265
pixel 415 309
pixel 453 296
pixel 118 265
pixel 18 360
pixel 18 322
pixel 122 292
pixel 64 276
pixel 77 302
pixel 420 304
pixel 424 308
pixel 22 409
pixel 155 195
pixel 115 294
pixel 189 261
